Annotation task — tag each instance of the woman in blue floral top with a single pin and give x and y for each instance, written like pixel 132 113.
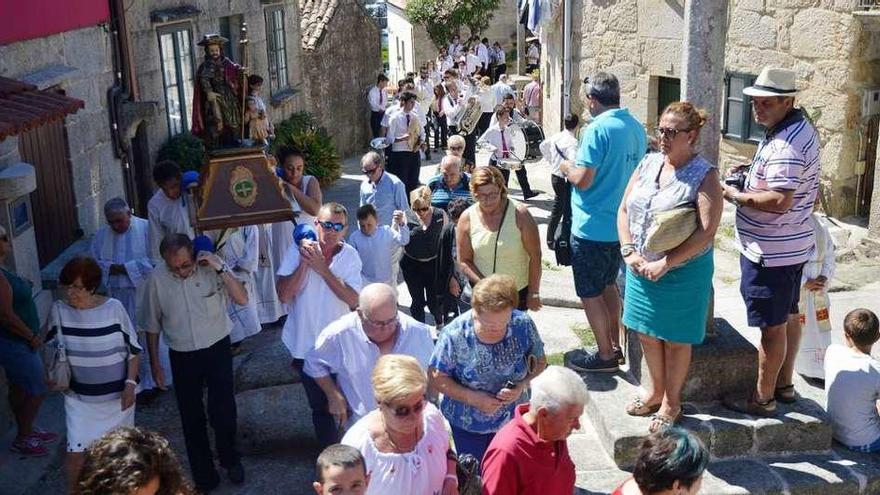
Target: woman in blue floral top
pixel 483 362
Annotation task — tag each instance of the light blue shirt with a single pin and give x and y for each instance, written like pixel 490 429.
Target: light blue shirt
pixel 377 250
pixel 612 145
pixel 387 195
pixel 486 367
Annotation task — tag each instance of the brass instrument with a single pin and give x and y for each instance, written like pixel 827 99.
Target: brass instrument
pixel 414 130
pixel 471 116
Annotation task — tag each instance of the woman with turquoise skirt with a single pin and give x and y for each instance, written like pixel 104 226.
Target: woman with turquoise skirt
pixel 667 293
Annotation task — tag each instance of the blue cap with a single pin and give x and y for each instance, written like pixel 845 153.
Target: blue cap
pixel 189 178
pixel 279 171
pixel 304 231
pixel 203 243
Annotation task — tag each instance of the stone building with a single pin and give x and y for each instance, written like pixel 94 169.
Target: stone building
pixel 833 45
pixel 340 60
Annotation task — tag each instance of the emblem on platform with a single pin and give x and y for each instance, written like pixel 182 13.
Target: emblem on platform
pixel 243 186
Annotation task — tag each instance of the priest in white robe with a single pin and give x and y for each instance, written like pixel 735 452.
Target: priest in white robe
pixel 269 306
pixel 239 248
pixel 121 249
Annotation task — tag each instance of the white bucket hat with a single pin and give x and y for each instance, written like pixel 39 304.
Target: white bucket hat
pixel 773 82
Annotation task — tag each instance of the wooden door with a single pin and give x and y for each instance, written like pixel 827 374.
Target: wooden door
pixel 668 91
pixel 863 209
pixel 54 203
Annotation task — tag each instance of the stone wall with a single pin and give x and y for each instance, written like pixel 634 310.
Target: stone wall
pixel 80 63
pixel 338 73
pixel 835 57
pixel 206 19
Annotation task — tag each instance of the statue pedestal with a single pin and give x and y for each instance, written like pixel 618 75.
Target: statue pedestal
pixel 240 188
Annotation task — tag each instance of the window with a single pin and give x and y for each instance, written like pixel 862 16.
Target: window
pixel 276 43
pixel 175 51
pixel 739 124
pixel 230 28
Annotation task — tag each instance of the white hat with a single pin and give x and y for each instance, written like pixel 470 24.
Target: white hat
pixel 773 82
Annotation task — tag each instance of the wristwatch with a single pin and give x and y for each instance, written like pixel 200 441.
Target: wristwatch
pixel 627 249
pixel 223 269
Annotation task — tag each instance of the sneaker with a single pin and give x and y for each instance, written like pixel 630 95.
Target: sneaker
pixel 618 353
pixel 592 362
pixel 43 435
pixel 29 447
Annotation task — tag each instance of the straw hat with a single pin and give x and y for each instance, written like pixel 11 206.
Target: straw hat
pixel 773 82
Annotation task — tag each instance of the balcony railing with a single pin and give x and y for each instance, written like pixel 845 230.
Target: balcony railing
pixel 868 5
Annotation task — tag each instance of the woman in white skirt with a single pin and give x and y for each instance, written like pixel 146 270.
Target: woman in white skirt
pixel 103 352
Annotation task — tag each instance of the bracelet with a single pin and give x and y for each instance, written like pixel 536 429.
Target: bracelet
pixel 132 382
pixel 535 296
pixel 451 477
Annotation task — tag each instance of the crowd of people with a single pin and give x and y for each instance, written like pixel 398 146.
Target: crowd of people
pixel 397 405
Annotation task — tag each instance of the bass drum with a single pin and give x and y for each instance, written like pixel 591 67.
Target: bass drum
pixel 533 137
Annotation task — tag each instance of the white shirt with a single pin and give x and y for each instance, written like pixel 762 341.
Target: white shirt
pixel 515 118
pixel 852 384
pixel 454 49
pixel 397 473
pixel 425 90
pixel 500 56
pixel 398 126
pixel 564 142
pixel 445 63
pixel 483 54
pixel 500 89
pixel 167 216
pixel 344 349
pixel 377 250
pixel 473 62
pixel 377 99
pixel 316 306
pixel 487 100
pixel 493 136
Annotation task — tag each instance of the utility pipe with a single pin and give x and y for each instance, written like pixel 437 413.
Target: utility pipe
pixel 566 61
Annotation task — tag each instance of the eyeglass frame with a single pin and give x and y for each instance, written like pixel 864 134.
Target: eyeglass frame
pixel 401 412
pixel 661 132
pixel 328 225
pixel 377 324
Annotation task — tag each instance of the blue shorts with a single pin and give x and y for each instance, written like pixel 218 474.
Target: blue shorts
pixel 23 366
pixel 871 447
pixel 595 265
pixel 771 293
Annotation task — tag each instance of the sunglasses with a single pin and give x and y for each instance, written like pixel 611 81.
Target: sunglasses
pixel 668 132
pixel 424 208
pixel 331 225
pixel 369 171
pixel 456 148
pixel 404 411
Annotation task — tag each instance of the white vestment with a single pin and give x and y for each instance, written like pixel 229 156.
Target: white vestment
pixel 132 250
pixel 240 250
pixel 167 216
pixel 269 307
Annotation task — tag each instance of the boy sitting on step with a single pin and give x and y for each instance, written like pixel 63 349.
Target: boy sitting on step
pixel 852 381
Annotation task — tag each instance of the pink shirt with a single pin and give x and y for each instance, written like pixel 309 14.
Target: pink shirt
pixel 518 462
pixel 532 94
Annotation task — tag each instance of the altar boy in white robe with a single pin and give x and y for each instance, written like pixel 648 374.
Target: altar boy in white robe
pixel 269 307
pixel 122 250
pixel 168 209
pixel 239 248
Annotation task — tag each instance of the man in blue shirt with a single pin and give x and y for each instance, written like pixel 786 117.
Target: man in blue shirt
pixel 386 192
pixel 610 149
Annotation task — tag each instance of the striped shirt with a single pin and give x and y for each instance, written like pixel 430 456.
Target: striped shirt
pixel 99 342
pixel 787 160
pixel 442 194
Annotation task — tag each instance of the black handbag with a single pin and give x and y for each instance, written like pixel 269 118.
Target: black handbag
pixel 468 472
pixel 562 243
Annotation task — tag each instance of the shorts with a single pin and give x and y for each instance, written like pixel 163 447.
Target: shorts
pixel 23 366
pixel 595 265
pixel 771 293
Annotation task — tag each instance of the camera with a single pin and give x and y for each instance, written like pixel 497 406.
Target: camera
pixel 736 180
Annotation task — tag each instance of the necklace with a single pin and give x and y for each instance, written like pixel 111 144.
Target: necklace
pixel 396 447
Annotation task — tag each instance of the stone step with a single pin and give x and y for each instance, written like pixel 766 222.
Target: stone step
pixel 799 427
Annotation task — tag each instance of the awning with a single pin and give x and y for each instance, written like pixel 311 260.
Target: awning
pixel 23 106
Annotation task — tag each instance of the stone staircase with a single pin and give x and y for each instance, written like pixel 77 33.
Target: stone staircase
pixel 792 453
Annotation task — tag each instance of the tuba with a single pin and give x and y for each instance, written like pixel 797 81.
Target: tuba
pixel 471 116
pixel 414 130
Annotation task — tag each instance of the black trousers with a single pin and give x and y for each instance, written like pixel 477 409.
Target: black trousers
pixel 499 69
pixel 483 124
pixel 194 371
pixel 419 277
pixel 561 206
pixel 325 424
pixel 376 123
pixel 406 166
pixel 521 175
pixel 441 131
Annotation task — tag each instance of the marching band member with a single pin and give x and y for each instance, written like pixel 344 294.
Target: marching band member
pixel 405 160
pixel 509 104
pixel 377 100
pixel 487 105
pixel 498 137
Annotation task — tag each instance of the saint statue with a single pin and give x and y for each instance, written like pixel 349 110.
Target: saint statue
pixel 217 101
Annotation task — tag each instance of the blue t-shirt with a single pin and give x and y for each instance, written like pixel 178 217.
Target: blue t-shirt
pixel 613 144
pixel 485 367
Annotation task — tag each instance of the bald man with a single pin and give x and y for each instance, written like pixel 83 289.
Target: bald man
pixel 347 350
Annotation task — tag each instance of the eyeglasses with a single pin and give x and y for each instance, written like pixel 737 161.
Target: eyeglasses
pixel 404 411
pixel 75 288
pixel 182 268
pixel 369 171
pixel 424 208
pixel 668 132
pixel 383 323
pixel 332 225
pixel 456 148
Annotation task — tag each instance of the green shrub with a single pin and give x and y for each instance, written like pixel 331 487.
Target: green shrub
pixel 185 149
pixel 302 131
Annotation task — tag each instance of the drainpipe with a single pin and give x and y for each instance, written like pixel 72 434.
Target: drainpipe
pixel 566 60
pixel 124 89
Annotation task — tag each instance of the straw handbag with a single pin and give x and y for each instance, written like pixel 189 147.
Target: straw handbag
pixel 671 228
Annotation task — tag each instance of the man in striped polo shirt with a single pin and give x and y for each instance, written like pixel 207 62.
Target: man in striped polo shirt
pixel 773 235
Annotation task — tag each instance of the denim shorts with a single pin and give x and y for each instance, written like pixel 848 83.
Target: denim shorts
pixel 23 366
pixel 771 293
pixel 595 265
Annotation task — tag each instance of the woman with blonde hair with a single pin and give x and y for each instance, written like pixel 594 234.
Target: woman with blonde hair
pixel 404 440
pixel 420 255
pixel 499 235
pixel 667 292
pixel 483 362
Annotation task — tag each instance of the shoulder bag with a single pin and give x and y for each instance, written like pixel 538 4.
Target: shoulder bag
pixel 672 227
pixel 58 372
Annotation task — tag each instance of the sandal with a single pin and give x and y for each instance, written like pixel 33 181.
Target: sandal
pixel 785 394
pixel 751 406
pixel 662 421
pixel 638 407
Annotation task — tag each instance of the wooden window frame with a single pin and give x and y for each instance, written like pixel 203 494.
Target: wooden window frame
pixel 279 82
pixel 747 126
pixel 173 29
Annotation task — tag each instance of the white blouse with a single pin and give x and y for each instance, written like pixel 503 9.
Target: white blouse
pixel 419 472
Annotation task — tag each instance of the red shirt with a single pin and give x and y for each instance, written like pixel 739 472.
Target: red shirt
pixel 518 462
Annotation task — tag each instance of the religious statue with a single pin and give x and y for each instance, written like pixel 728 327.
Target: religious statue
pixel 217 96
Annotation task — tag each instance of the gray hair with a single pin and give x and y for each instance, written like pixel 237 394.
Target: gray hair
pixel 375 295
pixel 556 387
pixel 604 87
pixel 450 160
pixel 115 205
pixel 372 157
